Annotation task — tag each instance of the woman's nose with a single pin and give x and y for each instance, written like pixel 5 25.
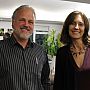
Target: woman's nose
pixel 76 26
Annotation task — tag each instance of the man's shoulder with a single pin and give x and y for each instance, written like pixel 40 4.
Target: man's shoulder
pixel 37 45
pixel 4 42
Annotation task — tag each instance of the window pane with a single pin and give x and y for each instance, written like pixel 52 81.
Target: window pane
pixel 39 38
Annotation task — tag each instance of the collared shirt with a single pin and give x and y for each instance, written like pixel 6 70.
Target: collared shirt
pixel 23 68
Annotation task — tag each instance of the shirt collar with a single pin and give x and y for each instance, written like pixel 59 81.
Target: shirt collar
pixel 13 42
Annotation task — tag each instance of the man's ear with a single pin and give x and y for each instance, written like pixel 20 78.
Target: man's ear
pixel 13 21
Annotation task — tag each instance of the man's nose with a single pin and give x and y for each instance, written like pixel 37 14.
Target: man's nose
pixel 26 23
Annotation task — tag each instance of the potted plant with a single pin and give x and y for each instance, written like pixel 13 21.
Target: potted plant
pixel 51 43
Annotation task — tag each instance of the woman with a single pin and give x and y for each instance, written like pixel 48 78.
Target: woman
pixel 73 59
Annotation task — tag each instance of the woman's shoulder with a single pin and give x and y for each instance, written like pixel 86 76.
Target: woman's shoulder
pixel 65 47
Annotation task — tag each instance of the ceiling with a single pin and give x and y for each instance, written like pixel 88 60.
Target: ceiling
pixel 52 10
pixel 82 1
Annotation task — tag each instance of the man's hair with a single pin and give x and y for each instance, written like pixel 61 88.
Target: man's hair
pixel 22 7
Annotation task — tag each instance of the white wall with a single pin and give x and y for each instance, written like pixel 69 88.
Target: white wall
pixel 51 25
pixel 41 25
pixel 6 25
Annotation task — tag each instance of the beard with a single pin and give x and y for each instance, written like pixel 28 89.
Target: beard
pixel 23 36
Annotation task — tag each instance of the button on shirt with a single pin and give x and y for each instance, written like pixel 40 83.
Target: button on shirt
pixel 23 68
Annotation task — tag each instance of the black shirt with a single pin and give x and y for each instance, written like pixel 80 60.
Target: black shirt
pixel 23 68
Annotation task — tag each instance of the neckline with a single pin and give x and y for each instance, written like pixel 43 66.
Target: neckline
pixel 75 64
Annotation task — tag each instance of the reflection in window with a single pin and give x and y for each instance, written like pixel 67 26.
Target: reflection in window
pixel 39 38
pixel 31 38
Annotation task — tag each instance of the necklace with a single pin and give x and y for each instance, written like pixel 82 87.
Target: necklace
pixel 76 52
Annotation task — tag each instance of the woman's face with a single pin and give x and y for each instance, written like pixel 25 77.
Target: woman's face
pixel 76 28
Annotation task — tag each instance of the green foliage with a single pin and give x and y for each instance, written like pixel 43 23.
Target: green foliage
pixel 59 44
pixel 51 44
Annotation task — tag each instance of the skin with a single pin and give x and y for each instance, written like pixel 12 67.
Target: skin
pixel 76 29
pixel 24 17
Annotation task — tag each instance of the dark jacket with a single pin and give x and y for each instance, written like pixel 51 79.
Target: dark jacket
pixel 67 74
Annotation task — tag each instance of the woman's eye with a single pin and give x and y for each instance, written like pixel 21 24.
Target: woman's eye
pixel 81 24
pixel 72 23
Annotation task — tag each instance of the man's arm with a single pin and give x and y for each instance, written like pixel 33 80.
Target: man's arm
pixel 45 76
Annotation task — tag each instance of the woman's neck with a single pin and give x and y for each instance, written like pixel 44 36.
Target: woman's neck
pixel 78 45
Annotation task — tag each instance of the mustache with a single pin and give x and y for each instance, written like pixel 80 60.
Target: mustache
pixel 24 27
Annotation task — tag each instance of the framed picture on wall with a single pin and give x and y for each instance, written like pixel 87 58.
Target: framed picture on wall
pixel 1 31
pixel 10 31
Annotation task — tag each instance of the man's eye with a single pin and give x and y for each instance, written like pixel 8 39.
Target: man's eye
pixel 30 22
pixel 21 20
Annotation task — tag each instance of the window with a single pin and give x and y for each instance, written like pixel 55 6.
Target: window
pixel 39 33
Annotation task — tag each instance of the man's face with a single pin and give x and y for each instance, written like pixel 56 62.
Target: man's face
pixel 23 24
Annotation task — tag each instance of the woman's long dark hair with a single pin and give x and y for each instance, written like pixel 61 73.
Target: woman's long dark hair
pixel 65 38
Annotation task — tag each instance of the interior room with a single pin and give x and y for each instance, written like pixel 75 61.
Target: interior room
pixel 50 15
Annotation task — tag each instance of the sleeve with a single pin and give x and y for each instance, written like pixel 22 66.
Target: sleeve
pixel 59 72
pixel 45 75
pixel 5 80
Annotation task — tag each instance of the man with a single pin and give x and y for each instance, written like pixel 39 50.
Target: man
pixel 23 64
